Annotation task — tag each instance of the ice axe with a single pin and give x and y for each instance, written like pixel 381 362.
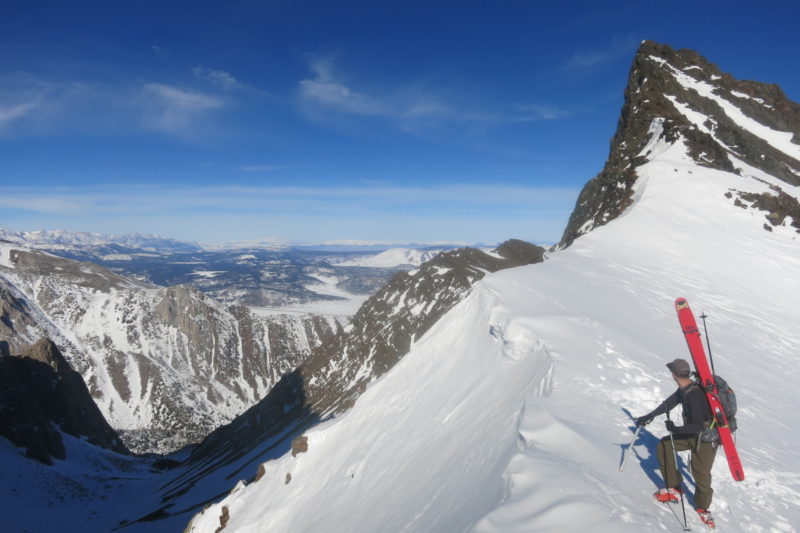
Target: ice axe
pixel 630 447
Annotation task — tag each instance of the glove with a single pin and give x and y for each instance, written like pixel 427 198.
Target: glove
pixel 670 426
pixel 643 420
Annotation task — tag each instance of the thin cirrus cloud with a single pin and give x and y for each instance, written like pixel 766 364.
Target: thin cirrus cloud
pixel 411 108
pixel 32 105
pixel 324 89
pixel 589 59
pixel 261 168
pixel 454 212
pixel 372 199
pixel 537 112
pixel 220 78
pixel 175 110
pixel 225 80
pixel 407 105
pixel 9 113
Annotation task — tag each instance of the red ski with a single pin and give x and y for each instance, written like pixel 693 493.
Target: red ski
pixel 692 334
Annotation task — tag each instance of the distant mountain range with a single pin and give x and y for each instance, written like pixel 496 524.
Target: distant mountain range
pixel 154 243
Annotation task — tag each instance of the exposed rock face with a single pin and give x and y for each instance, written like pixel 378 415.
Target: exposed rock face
pixel 778 207
pixel 16 321
pixel 725 124
pixel 165 365
pixel 337 372
pixel 39 391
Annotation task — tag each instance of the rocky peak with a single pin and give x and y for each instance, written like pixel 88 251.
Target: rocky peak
pixel 725 124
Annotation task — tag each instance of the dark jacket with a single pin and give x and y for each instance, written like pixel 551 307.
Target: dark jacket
pixel 696 411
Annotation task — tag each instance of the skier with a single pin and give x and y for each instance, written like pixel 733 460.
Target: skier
pixel 696 417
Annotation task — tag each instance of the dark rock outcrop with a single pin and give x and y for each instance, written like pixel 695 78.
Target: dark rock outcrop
pixel 649 109
pixel 778 206
pixel 40 393
pixel 16 320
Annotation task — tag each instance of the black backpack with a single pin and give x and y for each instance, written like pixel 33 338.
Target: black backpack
pixel 728 400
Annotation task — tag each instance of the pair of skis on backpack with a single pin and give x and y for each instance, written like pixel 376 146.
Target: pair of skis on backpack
pixel 709 385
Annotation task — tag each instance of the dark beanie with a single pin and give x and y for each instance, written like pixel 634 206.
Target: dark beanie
pixel 680 368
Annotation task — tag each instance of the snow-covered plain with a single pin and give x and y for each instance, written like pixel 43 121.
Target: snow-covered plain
pixel 512 412
pixel 342 308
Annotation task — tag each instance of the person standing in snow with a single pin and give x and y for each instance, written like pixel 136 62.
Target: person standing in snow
pixel 696 417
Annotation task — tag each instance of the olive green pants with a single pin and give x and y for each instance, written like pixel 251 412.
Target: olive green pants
pixel 702 461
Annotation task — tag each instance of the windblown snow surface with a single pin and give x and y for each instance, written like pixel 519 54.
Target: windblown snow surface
pixel 513 411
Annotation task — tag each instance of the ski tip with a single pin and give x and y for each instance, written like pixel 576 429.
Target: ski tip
pixel 681 303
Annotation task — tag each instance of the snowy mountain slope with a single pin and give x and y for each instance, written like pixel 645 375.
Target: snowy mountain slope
pixel 330 380
pixel 436 423
pixel 611 334
pixel 165 365
pixel 424 447
pixel 393 257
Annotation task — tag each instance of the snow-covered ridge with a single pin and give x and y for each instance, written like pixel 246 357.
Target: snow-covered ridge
pixel 456 414
pixel 394 257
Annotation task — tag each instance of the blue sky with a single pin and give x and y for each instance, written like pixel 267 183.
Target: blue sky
pixel 321 121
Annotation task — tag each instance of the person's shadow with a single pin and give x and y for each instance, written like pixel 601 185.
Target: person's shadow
pixel 649 463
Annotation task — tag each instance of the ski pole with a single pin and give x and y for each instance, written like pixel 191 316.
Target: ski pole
pixel 708 345
pixel 680 488
pixel 630 447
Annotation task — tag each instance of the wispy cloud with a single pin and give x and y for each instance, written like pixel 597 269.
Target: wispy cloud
pixel 537 112
pixel 362 198
pixel 261 168
pixel 456 212
pixel 589 59
pixel 45 203
pixel 324 89
pixel 32 105
pixel 220 78
pixel 175 110
pixel 8 113
pixel 413 107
